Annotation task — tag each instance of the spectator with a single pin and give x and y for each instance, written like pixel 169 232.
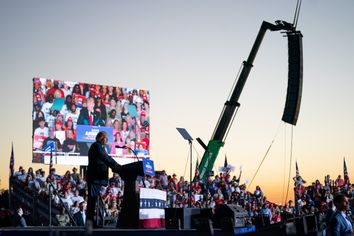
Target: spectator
pixel 341 224
pixel 76 197
pixel 266 212
pixel 19 172
pixel 41 130
pixel 80 216
pixel 37 115
pixel 73 114
pixel 164 179
pixel 75 175
pixel 77 89
pixel 101 108
pixel 52 139
pixel 18 219
pixel 63 218
pixel 69 144
pixel 55 91
pixel 67 106
pixel 66 199
pixel 339 181
pixel 47 105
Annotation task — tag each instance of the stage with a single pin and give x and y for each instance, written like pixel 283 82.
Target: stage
pixel 67 231
pixel 273 230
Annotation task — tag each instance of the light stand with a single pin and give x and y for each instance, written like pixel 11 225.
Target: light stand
pixel 186 136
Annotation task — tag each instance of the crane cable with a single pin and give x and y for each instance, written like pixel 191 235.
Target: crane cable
pixel 265 155
pixel 290 163
pixel 234 115
pixel 284 167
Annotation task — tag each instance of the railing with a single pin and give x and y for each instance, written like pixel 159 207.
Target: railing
pixel 33 203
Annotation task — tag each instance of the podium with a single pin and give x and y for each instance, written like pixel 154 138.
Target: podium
pixel 129 216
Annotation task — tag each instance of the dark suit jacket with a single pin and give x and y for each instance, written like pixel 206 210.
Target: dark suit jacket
pixel 339 225
pixel 84 118
pixel 79 219
pixel 98 164
pixel 18 221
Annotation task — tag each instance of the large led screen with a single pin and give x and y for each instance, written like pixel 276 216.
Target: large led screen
pixel 68 115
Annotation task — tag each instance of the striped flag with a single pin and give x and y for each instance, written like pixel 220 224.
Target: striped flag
pixel 12 160
pixel 197 169
pixel 346 176
pixel 297 170
pixel 152 208
pixel 226 168
pixel 51 160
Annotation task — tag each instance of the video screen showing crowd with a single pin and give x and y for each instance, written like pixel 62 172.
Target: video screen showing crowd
pixel 68 115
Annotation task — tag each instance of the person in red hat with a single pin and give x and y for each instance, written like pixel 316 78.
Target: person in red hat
pixel 59 126
pixel 69 125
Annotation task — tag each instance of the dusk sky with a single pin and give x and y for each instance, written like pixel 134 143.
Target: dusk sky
pixel 187 54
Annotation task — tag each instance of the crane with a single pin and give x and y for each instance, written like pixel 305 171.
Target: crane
pixel 231 105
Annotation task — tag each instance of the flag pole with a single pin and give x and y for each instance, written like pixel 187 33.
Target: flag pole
pixel 50 186
pixel 295 192
pixel 12 163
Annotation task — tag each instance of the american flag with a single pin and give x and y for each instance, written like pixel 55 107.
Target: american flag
pixel 12 160
pixel 226 168
pixel 297 170
pixel 197 169
pixel 345 170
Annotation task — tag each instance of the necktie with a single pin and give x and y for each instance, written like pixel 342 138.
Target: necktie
pixel 91 119
pixel 84 217
pixel 349 222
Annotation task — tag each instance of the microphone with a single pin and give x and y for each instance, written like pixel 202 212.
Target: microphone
pixel 135 156
pixel 129 148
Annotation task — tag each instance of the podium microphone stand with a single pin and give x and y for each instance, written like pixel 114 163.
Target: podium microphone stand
pixel 186 136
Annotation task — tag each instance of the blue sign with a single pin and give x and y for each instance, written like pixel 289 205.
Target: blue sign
pixel 87 134
pixel 50 146
pixel 148 167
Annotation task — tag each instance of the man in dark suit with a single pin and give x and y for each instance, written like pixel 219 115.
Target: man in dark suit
pixel 97 171
pixel 80 216
pixel 18 220
pixel 89 116
pixel 341 224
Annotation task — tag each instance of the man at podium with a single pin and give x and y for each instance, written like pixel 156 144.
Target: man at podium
pixel 97 172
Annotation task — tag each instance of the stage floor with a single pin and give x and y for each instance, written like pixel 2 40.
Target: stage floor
pixel 77 231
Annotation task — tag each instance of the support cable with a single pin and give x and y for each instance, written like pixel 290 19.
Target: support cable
pixel 297 13
pixel 265 155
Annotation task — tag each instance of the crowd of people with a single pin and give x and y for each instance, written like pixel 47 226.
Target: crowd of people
pixel 316 198
pixel 59 106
